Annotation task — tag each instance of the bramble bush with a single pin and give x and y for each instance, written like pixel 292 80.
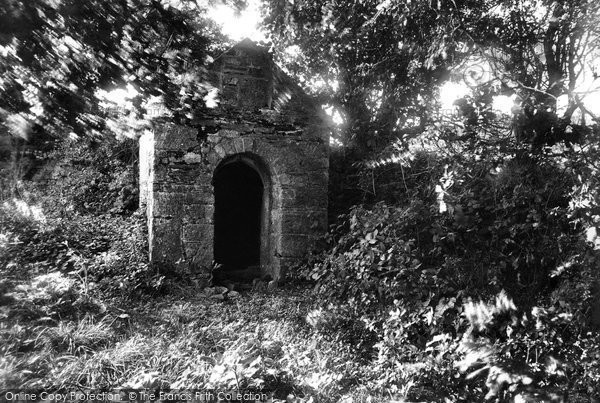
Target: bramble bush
pixel 78 217
pixel 89 177
pixel 446 223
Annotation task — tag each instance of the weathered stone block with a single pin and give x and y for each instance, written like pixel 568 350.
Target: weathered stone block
pixel 199 197
pixel 304 222
pixel 168 204
pixel 294 245
pixel 200 212
pixel 175 137
pixel 213 158
pixel 220 150
pixel 318 177
pixel 186 188
pixel 225 133
pixel 239 144
pixel 304 197
pixel 198 253
pixel 165 243
pixel 192 158
pixel 197 232
pixel 182 174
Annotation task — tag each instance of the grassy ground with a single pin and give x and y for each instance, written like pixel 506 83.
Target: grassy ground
pixel 79 311
pixel 54 336
pixel 75 315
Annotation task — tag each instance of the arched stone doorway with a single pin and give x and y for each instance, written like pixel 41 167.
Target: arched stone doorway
pixel 241 218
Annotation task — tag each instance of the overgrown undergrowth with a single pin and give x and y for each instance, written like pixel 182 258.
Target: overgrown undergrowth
pixel 81 308
pixel 184 341
pixel 470 275
pixel 462 280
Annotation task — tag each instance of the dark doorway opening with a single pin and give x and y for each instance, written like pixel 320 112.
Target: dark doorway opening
pixel 238 208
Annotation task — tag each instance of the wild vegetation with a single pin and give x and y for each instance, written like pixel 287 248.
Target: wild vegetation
pixel 469 260
pixel 462 260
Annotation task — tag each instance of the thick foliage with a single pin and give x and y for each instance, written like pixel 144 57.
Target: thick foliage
pixel 57 55
pixel 91 177
pixel 380 62
pixel 370 262
pixel 457 227
pixel 104 253
pixel 78 218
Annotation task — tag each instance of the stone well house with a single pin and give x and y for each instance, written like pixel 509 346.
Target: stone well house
pixel 247 185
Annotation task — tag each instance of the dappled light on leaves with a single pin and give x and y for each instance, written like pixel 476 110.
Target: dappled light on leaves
pixel 388 60
pixel 24 210
pixel 480 315
pixel 60 55
pixel 450 93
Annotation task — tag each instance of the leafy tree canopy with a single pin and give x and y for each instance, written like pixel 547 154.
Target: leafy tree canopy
pixel 381 62
pixel 57 54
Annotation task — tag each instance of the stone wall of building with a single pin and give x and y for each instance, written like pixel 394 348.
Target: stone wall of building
pixel 263 119
pixel 182 206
